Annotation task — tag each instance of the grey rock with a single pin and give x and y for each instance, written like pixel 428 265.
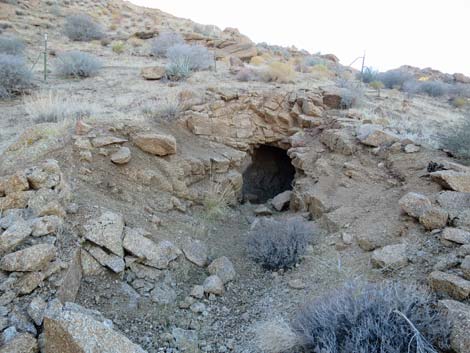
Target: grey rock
pixel 223 268
pixel 107 231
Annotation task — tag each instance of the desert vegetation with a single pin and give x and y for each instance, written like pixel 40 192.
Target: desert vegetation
pixel 77 64
pixel 81 27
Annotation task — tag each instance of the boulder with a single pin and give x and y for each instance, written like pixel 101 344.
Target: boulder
pixel 456 236
pixel 458 315
pixel 412 148
pixel 121 156
pixel 375 136
pixel 454 202
pixel 22 343
pixel 213 285
pixel 156 255
pixel 282 200
pixel 223 268
pixel 450 284
pixel 434 218
pixel 47 175
pixel 112 261
pixel 46 202
pixel 16 200
pixel 33 258
pixel 186 340
pixel 461 78
pixel 390 256
pixel 339 141
pixel 156 144
pixel 415 204
pixel 195 251
pixel 46 225
pixel 332 99
pixel 197 292
pixel 71 330
pixel 14 235
pixel 449 179
pixel 70 284
pixel 15 183
pixel 36 310
pixel 107 231
pixel 153 73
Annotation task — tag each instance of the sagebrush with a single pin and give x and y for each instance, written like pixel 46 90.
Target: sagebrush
pixel 11 45
pixel 82 27
pixel 278 245
pixel 77 64
pixel 164 41
pixel 15 76
pixel 395 78
pixel 456 139
pixel 166 109
pixel 372 318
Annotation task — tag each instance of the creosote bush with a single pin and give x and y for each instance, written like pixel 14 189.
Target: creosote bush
pixel 81 27
pixel 372 318
pixel 165 41
pixel 11 45
pixel 77 64
pixel 278 245
pixel 15 77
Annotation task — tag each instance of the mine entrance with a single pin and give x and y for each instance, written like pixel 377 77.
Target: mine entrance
pixel 269 174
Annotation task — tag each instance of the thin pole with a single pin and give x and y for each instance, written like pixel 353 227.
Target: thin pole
pixel 45 56
pixel 362 67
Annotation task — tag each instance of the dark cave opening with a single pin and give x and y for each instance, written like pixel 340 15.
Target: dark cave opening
pixel 270 173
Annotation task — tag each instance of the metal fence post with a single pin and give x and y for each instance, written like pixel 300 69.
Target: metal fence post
pixel 45 56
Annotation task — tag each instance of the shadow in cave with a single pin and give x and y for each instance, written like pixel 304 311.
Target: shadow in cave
pixel 270 173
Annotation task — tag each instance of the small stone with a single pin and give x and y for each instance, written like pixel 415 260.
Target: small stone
pixel 197 292
pixel 86 156
pixel 465 267
pixel 296 284
pixel 263 211
pixel 223 268
pixel 122 156
pixel 456 236
pixel 449 179
pixel 414 204
pixel 198 308
pixel 375 136
pixel 390 256
pixel 163 294
pixel 36 310
pixel 213 285
pixel 33 258
pixel 106 141
pixel 16 183
pixel 195 251
pixel 434 218
pixel 282 200
pixel 450 284
pixel 186 340
pixel 347 238
pixel 411 148
pixel 186 303
pixel 46 225
pixel 153 73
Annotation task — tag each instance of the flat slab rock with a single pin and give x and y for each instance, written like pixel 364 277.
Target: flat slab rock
pixel 375 136
pixel 150 253
pixel 456 235
pixel 34 258
pixel 156 144
pixel 449 179
pixel 195 251
pixel 68 330
pixel 390 256
pixel 453 285
pixel 107 231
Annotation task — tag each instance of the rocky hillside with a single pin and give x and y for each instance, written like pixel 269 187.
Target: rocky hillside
pixel 164 201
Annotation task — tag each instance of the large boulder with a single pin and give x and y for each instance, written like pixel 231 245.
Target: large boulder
pixel 281 201
pixel 223 268
pixel 390 256
pixel 375 136
pixel 157 144
pixel 339 141
pixel 14 235
pixel 434 218
pixel 455 236
pixel 69 329
pixel 449 179
pixel 458 315
pixel 450 284
pixel 107 231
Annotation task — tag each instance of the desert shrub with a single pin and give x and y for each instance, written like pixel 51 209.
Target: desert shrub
pixel 77 64
pixel 456 140
pixel 246 74
pixel 197 56
pixel 372 318
pixel 277 71
pixel 369 75
pixel 165 41
pixel 411 87
pixel 312 61
pixel 207 30
pixel 166 109
pixel 81 27
pixel 351 93
pixel 217 200
pixel 55 108
pixel 11 46
pixel 377 85
pixel 394 78
pixel 118 47
pixel 434 88
pixel 278 245
pixel 257 60
pixel 15 77
pixel 459 102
